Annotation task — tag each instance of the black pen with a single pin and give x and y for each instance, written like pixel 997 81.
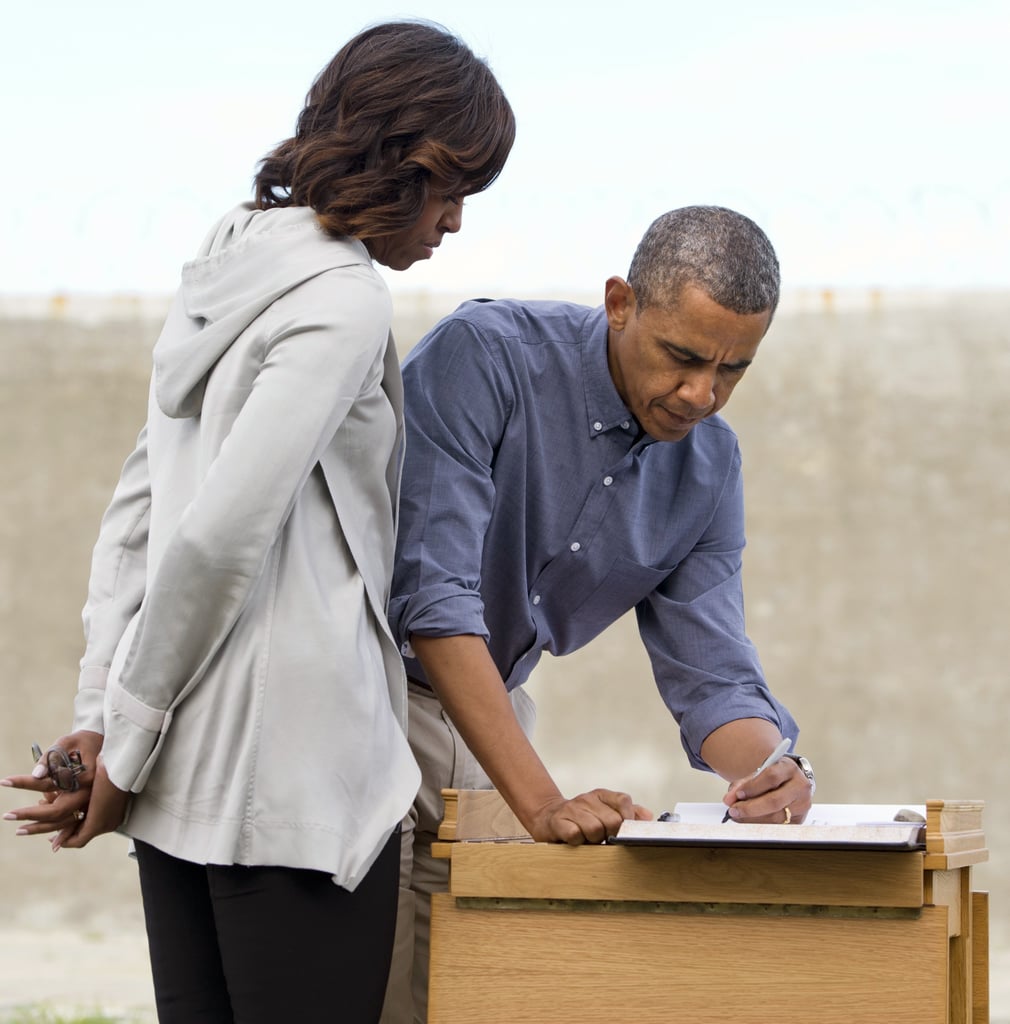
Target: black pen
pixel 776 755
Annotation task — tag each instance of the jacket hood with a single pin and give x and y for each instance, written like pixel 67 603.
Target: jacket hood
pixel 247 261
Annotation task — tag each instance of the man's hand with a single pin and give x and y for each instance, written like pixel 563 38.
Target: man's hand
pixel 766 797
pixel 735 750
pixel 588 818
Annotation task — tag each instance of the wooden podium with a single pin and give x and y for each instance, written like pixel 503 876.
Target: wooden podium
pixel 537 932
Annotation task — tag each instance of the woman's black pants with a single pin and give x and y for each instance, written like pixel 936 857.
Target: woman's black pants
pixel 267 945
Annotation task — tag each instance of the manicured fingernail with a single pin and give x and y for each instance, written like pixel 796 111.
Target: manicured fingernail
pixel 10 816
pixel 21 832
pixel 734 812
pixel 6 782
pixel 39 771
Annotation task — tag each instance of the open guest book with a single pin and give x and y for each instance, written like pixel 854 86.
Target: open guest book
pixel 950 831
pixel 884 923
pixel 827 826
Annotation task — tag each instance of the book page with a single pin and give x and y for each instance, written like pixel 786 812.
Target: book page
pixel 820 814
pixel 889 835
pixel 837 826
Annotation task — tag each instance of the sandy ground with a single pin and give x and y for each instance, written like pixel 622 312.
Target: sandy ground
pixel 111 974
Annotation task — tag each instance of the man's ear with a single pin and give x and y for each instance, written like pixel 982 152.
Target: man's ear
pixel 619 300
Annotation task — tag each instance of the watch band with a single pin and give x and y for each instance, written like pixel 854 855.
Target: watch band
pixel 805 767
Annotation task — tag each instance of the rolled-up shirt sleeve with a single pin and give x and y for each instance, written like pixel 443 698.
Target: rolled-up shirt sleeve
pixel 692 625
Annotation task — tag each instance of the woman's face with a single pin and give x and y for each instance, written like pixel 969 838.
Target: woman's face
pixel 441 214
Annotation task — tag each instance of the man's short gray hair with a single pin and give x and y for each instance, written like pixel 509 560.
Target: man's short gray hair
pixel 722 252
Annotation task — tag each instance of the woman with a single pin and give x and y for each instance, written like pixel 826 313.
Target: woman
pixel 239 679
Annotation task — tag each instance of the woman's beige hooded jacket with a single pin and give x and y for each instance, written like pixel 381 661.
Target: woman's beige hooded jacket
pixel 238 658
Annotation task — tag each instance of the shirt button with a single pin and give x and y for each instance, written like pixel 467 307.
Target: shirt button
pixel 536 599
pixel 626 425
pixel 575 546
pixel 597 425
pixel 607 481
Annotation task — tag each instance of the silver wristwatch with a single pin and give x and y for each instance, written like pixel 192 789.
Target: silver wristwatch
pixel 805 767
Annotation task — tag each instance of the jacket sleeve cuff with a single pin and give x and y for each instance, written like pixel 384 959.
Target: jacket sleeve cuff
pixel 90 699
pixel 134 733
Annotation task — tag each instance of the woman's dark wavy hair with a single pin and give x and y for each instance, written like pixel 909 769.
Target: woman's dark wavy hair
pixel 402 105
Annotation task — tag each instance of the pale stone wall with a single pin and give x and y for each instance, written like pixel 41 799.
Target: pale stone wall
pixel 875 431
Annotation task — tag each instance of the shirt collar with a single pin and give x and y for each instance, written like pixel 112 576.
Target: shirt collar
pixel 604 409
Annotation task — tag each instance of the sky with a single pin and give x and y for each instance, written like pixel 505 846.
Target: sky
pixel 870 140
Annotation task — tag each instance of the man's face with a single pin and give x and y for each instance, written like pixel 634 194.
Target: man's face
pixel 675 366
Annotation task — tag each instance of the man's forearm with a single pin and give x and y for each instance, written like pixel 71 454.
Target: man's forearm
pixel 735 749
pixel 470 688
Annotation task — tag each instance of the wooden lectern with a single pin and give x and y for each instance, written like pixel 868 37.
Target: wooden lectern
pixel 537 932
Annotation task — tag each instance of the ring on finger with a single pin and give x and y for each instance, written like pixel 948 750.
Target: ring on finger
pixel 79 815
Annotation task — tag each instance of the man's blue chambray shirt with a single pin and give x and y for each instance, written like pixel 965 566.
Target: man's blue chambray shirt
pixel 531 517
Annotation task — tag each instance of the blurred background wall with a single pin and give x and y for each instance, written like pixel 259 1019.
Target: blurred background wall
pixel 875 430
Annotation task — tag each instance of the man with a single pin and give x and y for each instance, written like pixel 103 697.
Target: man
pixel 565 465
